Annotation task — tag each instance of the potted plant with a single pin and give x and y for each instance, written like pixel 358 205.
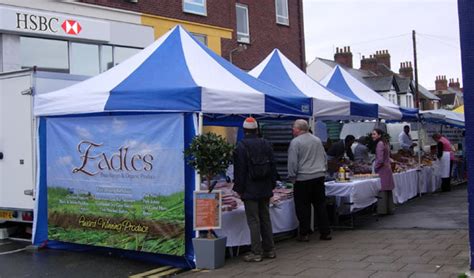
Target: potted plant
pixel 209 154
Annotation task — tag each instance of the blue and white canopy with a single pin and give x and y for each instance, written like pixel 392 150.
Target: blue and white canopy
pixel 174 74
pixel 277 69
pixel 352 89
pixel 443 116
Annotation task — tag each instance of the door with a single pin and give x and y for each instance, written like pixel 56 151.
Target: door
pixel 17 167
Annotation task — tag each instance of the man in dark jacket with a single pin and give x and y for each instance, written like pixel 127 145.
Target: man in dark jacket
pixel 254 180
pixel 337 150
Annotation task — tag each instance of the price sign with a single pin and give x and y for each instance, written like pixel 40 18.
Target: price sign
pixel 207 210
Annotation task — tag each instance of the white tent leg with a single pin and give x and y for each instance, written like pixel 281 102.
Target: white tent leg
pixel 197 177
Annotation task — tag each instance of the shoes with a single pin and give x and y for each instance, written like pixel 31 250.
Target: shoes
pixel 269 255
pixel 253 258
pixel 303 238
pixel 325 237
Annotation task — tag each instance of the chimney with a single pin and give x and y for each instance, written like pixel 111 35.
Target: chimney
pixel 383 57
pixel 343 56
pixel 369 63
pixel 454 84
pixel 406 70
pixel 441 84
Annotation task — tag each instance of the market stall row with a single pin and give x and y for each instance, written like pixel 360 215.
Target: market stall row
pixel 355 195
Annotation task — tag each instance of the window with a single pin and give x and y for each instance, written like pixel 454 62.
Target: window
pixel 195 7
pixel 200 37
pixel 281 7
pixel 106 58
pixel 123 53
pixel 84 59
pixel 46 54
pixel 243 34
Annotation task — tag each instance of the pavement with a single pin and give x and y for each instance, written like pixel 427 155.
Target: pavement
pixel 426 237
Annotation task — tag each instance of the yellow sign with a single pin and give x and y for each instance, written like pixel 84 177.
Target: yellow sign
pixel 6 214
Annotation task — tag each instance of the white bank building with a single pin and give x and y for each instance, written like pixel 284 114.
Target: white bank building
pixel 68 41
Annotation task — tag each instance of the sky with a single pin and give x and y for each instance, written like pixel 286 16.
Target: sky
pixel 370 25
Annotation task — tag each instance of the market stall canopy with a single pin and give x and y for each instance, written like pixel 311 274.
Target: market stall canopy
pixel 443 116
pixel 460 109
pixel 278 70
pixel 174 74
pixel 348 87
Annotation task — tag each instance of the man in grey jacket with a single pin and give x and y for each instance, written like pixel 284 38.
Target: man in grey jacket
pixel 307 170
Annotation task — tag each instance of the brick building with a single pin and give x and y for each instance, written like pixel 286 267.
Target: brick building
pixel 224 25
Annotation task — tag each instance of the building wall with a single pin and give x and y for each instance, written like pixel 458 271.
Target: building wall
pixel 220 25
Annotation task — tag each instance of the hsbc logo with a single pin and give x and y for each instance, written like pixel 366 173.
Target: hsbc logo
pixel 46 24
pixel 71 27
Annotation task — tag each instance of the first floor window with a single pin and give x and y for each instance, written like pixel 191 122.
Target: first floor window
pixel 195 7
pixel 123 53
pixel 243 33
pixel 46 54
pixel 200 37
pixel 281 7
pixel 84 59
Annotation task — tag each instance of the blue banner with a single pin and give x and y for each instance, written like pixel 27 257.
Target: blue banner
pixel 117 181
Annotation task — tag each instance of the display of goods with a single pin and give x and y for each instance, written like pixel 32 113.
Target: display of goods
pixel 361 168
pixel 364 176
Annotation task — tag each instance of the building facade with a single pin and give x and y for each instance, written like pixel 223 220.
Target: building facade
pixel 375 72
pixel 242 31
pixel 68 38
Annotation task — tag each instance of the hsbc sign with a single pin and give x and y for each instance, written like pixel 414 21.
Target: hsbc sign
pixel 51 24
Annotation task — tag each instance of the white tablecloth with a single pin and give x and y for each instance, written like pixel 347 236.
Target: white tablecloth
pixel 359 193
pixel 406 186
pixel 235 228
pixel 430 179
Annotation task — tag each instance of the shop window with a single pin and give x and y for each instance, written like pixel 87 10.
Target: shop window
pixel 84 59
pixel 46 54
pixel 281 7
pixel 243 33
pixel 123 53
pixel 106 58
pixel 200 37
pixel 195 7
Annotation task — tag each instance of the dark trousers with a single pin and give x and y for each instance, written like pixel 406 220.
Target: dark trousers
pixel 307 193
pixel 260 225
pixel 446 182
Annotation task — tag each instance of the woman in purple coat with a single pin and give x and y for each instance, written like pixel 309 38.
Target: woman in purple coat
pixel 383 168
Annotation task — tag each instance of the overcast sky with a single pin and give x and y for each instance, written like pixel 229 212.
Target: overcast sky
pixel 370 25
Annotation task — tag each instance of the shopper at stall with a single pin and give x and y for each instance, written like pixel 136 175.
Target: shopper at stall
pixel 445 156
pixel 361 151
pixel 254 179
pixel 307 170
pixel 383 168
pixel 338 149
pixel 406 143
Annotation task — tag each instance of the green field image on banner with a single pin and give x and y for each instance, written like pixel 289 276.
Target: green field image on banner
pixel 117 181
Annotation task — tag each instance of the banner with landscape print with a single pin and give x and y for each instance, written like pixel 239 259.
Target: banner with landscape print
pixel 117 181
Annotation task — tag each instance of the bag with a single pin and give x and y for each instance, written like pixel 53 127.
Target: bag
pixel 259 163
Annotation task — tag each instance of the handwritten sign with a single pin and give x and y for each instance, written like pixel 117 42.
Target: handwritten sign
pixel 207 210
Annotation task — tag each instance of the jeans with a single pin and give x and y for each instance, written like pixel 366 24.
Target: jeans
pixel 260 225
pixel 307 193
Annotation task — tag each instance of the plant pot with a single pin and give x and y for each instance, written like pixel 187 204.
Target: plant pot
pixel 209 252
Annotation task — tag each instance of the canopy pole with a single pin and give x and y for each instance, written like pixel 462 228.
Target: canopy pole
pixel 420 149
pixel 197 177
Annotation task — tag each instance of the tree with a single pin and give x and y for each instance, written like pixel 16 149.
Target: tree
pixel 209 154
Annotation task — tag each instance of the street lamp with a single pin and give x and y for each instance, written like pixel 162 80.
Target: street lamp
pixel 239 48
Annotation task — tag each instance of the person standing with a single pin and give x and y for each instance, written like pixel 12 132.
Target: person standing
pixel 307 170
pixel 254 180
pixel 383 168
pixel 361 151
pixel 406 143
pixel 445 156
pixel 337 150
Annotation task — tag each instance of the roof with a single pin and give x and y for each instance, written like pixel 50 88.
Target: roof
pixel 403 83
pixel 426 94
pixel 379 83
pixel 447 99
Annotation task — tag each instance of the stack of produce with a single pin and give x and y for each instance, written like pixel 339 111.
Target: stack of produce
pixel 280 194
